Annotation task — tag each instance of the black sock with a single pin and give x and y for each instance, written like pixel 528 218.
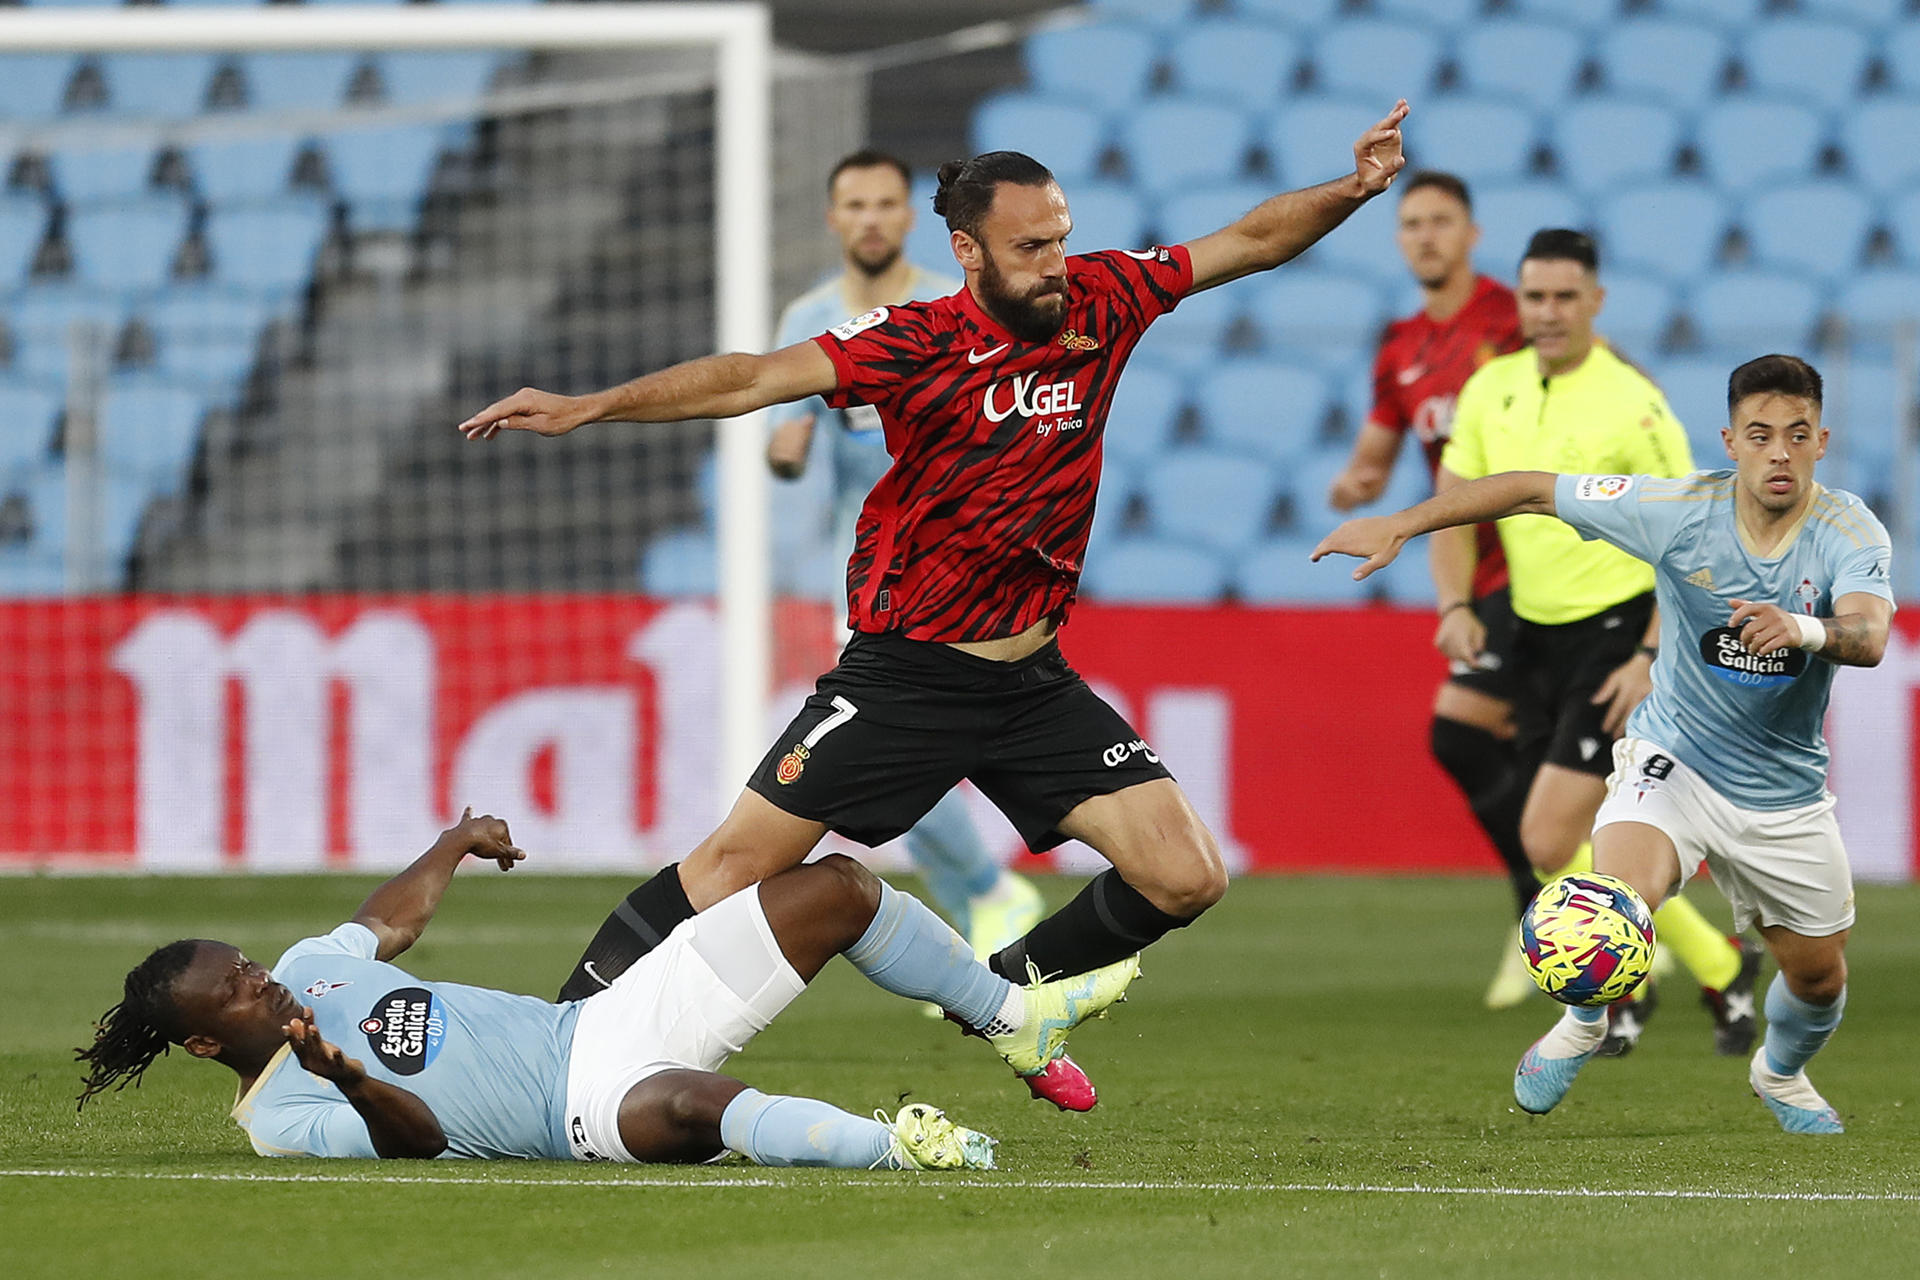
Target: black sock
pixel 638 925
pixel 1494 779
pixel 1108 920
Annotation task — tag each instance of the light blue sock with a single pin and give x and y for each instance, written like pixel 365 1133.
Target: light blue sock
pixel 1588 1014
pixel 952 857
pixel 1796 1029
pixel 911 952
pixel 778 1131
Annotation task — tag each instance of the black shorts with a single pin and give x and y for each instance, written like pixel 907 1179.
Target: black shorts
pixel 1560 669
pixel 1494 674
pixel 899 722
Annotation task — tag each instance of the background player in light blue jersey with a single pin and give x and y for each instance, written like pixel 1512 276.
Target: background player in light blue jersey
pixel 870 210
pixel 1766 581
pixel 341 1053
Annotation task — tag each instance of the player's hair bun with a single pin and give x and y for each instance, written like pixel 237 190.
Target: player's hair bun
pixel 949 173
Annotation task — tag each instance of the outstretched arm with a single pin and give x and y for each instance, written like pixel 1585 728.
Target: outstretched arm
pixel 722 386
pixel 398 910
pixel 1286 225
pixel 1378 539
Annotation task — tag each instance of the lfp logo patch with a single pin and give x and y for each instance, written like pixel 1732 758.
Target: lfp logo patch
pixel 405 1029
pixel 1602 488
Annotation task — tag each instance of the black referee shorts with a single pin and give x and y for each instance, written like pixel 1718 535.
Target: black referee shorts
pixel 1494 673
pixel 1560 669
pixel 899 722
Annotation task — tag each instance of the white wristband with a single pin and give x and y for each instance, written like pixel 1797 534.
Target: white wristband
pixel 1813 632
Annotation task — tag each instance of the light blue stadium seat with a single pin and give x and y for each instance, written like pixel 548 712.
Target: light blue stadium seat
pixel 267 249
pixel 384 174
pixel 1302 15
pixel 1205 208
pixel 243 169
pixel 1873 303
pixel 1509 215
pixel 36 83
pixel 1735 15
pixel 1172 144
pixel 43 319
pixel 1377 59
pixel 679 563
pixel 1169 14
pixel 167 86
pixel 1251 63
pixel 122 504
pixel 436 76
pixel 1601 143
pixel 206 335
pixel 1310 138
pixel 149 430
pixel 1191 335
pixel 130 245
pixel 1362 246
pixel 1309 480
pixel 1407 582
pixel 1479 139
pixel 1746 142
pixel 1536 62
pixel 1278 571
pixel 33 412
pixel 1743 314
pixel 1067 137
pixel 1820 62
pixel 23 225
pixel 1107 65
pixel 1592 15
pixel 1261 407
pixel 1902 53
pixel 1636 313
pixel 1672 229
pixel 1452 15
pixel 1869 13
pixel 1696 391
pixel 1106 215
pixel 1330 319
pixel 1866 129
pixel 1662 60
pixel 1141 570
pixel 298 81
pixel 1146 411
pixel 1212 498
pixel 928 243
pixel 96 175
pixel 1862 409
pixel 1817 227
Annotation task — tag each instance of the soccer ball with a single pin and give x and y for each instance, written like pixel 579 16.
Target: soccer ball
pixel 1588 939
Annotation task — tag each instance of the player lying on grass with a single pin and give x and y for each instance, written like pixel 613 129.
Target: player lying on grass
pixel 1759 571
pixel 629 1073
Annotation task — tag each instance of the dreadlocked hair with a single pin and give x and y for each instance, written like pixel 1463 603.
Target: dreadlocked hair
pixel 141 1028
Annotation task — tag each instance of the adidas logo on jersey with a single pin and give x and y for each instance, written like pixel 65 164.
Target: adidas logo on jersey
pixel 1701 578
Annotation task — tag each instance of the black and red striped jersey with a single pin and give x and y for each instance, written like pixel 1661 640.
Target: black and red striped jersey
pixel 979 527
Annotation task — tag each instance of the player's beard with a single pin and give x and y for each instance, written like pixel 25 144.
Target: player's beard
pixel 876 263
pixel 1034 316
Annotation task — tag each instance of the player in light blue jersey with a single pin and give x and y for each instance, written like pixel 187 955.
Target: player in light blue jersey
pixel 869 210
pixel 341 1053
pixel 1766 582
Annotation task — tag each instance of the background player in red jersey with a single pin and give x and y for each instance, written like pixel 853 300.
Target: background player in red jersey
pixel 1424 359
pixel 966 561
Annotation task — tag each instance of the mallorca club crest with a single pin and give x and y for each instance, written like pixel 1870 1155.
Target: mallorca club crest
pixel 1074 341
pixel 791 765
pixel 1806 596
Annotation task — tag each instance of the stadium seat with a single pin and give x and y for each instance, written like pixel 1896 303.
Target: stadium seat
pixel 1155 571
pixel 206 335
pixel 1107 65
pixel 1509 215
pixel 1601 143
pixel 1145 413
pixel 1820 62
pixel 1332 320
pixel 1903 218
pixel 1637 312
pixel 1581 17
pixel 130 245
pixel 96 175
pixel 1818 227
pixel 122 503
pixel 1672 229
pixel 679 563
pixel 23 225
pixel 1167 14
pixel 1408 581
pixel 1302 15
pixel 1172 144
pixel 267 249
pixel 1743 314
pixel 1192 334
pixel 1278 571
pixel 928 243
pixel 1901 51
pixel 1873 303
pixel 436 76
pixel 1660 60
pixel 1734 15
pixel 384 174
pixel 1262 407
pixel 1696 391
pixel 1067 137
pixel 166 86
pixel 1249 63
pixel 298 81
pixel 1534 62
pixel 33 413
pixel 1204 208
pixel 1212 498
pixel 243 169
pixel 1451 15
pixel 1310 138
pixel 1376 59
pixel 1870 13
pixel 1861 407
pixel 43 320
pixel 1476 138
pixel 149 430
pixel 1865 130
pixel 1363 246
pixel 1745 142
pixel 36 83
pixel 1106 215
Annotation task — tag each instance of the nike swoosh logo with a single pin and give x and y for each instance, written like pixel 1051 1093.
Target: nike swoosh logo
pixel 975 357
pixel 591 973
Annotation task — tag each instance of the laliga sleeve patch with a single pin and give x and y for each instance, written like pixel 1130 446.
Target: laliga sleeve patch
pixel 859 324
pixel 1602 488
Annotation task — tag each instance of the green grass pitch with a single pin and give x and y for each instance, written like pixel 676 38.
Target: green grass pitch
pixel 1303 1084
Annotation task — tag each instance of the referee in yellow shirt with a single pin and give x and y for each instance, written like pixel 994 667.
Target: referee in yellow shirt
pixel 1585 647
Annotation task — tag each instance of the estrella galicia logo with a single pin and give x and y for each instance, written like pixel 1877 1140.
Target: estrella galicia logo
pixel 1727 658
pixel 404 1029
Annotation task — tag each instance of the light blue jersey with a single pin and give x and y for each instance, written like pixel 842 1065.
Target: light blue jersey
pixel 491 1065
pixel 1750 726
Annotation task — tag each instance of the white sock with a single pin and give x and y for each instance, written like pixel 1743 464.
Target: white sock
pixel 1012 1015
pixel 1572 1036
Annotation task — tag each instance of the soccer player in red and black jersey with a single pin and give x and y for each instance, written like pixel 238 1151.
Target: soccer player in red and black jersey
pixel 966 562
pixel 1423 361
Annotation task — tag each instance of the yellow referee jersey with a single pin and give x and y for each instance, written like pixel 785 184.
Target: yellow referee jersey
pixel 1603 418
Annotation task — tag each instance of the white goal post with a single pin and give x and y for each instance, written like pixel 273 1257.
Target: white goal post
pixel 740 36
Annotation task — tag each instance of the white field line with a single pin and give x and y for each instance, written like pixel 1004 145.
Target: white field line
pixel 893 1182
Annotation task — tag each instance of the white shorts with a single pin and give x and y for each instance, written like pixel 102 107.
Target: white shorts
pixel 690 1003
pixel 1783 867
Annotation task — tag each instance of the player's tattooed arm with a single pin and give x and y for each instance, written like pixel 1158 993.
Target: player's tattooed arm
pixel 1856 635
pixel 1378 539
pixel 399 910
